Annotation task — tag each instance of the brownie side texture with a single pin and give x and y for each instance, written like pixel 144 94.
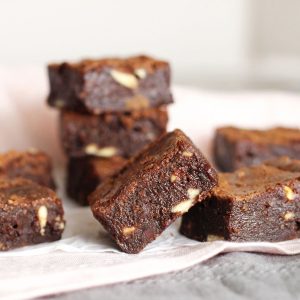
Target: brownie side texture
pixel 152 190
pixel 235 148
pixel 29 214
pixel 31 164
pixel 110 85
pixel 111 134
pixel 86 173
pixel 259 203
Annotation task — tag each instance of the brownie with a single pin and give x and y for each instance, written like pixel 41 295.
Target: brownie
pixel 86 173
pixel 110 85
pixel 258 203
pixel 29 213
pixel 152 190
pixel 235 148
pixel 111 134
pixel 31 164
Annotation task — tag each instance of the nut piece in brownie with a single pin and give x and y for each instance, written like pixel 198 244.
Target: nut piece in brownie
pixel 31 164
pixel 86 173
pixel 110 85
pixel 29 213
pixel 235 148
pixel 258 203
pixel 152 190
pixel 111 134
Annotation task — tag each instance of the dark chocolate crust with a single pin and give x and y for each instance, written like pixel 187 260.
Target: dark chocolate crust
pixel 31 164
pixel 152 190
pixel 259 203
pixel 235 148
pixel 110 85
pixel 86 173
pixel 110 134
pixel 29 214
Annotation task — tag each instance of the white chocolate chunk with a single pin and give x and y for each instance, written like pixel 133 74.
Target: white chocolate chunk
pixel 187 153
pixel 183 206
pixel 289 216
pixel 193 193
pixel 141 73
pixel 93 149
pixel 241 174
pixel 173 178
pixel 128 230
pixel 213 237
pixel 42 216
pixel 290 195
pixel 32 150
pixel 61 226
pixel 126 79
pixel 59 223
pixel 59 103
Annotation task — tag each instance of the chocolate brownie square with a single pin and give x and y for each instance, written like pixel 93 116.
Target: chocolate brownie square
pixel 110 134
pixel 110 85
pixel 29 213
pixel 86 173
pixel 235 148
pixel 31 164
pixel 258 203
pixel 152 190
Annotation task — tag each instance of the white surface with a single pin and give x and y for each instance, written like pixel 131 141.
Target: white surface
pixel 86 257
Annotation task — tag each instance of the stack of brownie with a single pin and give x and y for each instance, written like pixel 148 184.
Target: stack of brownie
pixel 109 110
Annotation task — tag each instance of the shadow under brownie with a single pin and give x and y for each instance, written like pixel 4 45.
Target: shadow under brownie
pixel 84 174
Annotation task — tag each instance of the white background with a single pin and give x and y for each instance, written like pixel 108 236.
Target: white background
pixel 232 43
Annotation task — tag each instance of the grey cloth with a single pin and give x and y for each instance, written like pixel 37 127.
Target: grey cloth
pixel 229 276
